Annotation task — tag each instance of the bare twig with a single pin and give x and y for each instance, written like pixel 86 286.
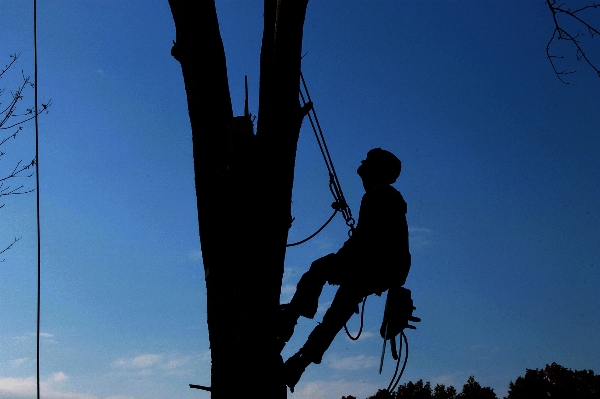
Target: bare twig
pixel 14 59
pixel 12 117
pixel 561 33
pixel 8 247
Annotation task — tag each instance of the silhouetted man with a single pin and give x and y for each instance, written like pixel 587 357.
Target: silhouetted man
pixel 376 258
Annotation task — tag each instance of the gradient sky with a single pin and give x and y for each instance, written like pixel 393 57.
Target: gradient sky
pixel 500 172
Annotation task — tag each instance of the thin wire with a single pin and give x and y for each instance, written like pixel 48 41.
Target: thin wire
pixel 37 185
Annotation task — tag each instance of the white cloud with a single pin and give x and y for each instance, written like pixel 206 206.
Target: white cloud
pixel 42 335
pixel 25 388
pixel 352 362
pixel 58 377
pixel 195 256
pixel 174 363
pixel 46 337
pixel 323 306
pixel 18 362
pixel 153 364
pixel 290 272
pixel 333 389
pixel 363 335
pixel 138 362
pixel 20 387
pixel 287 291
pixel 418 236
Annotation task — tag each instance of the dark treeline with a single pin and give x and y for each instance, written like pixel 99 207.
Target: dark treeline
pixel 551 382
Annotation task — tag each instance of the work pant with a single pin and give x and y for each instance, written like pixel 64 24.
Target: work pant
pixel 354 286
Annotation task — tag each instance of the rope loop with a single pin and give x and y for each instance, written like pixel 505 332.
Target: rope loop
pixel 362 317
pixel 315 233
pixel 394 382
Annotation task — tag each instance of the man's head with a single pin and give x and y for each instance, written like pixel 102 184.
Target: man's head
pixel 380 166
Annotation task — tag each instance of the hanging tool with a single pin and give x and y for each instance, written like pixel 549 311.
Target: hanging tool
pixel 398 313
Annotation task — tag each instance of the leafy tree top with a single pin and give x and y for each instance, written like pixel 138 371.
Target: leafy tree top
pixel 555 382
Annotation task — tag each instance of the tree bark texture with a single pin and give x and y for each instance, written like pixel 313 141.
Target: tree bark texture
pixel 243 189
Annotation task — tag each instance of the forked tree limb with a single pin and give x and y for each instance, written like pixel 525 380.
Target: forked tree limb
pixel 561 33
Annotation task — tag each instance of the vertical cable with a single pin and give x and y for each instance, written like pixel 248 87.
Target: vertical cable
pixel 37 191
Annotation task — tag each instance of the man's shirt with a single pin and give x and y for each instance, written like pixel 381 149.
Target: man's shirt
pixel 379 244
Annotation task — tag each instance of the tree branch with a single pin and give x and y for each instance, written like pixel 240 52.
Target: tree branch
pixel 11 118
pixel 561 33
pixel 9 246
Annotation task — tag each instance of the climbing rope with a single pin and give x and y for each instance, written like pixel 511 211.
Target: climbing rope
pixel 394 382
pixel 362 317
pixel 334 183
pixel 316 232
pixel 339 204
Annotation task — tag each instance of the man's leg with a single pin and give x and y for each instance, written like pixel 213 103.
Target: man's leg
pixel 343 306
pixel 306 298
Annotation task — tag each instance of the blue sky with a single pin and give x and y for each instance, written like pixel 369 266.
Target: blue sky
pixel 500 173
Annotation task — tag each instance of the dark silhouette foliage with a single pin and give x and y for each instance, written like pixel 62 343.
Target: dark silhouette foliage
pixel 441 392
pixel 418 390
pixel 555 382
pixel 473 390
pixel 422 390
pixel 383 394
pixel 552 382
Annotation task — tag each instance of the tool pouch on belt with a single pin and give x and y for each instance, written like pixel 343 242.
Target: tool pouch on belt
pixel 398 313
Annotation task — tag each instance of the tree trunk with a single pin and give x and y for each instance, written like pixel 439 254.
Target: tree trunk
pixel 243 189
